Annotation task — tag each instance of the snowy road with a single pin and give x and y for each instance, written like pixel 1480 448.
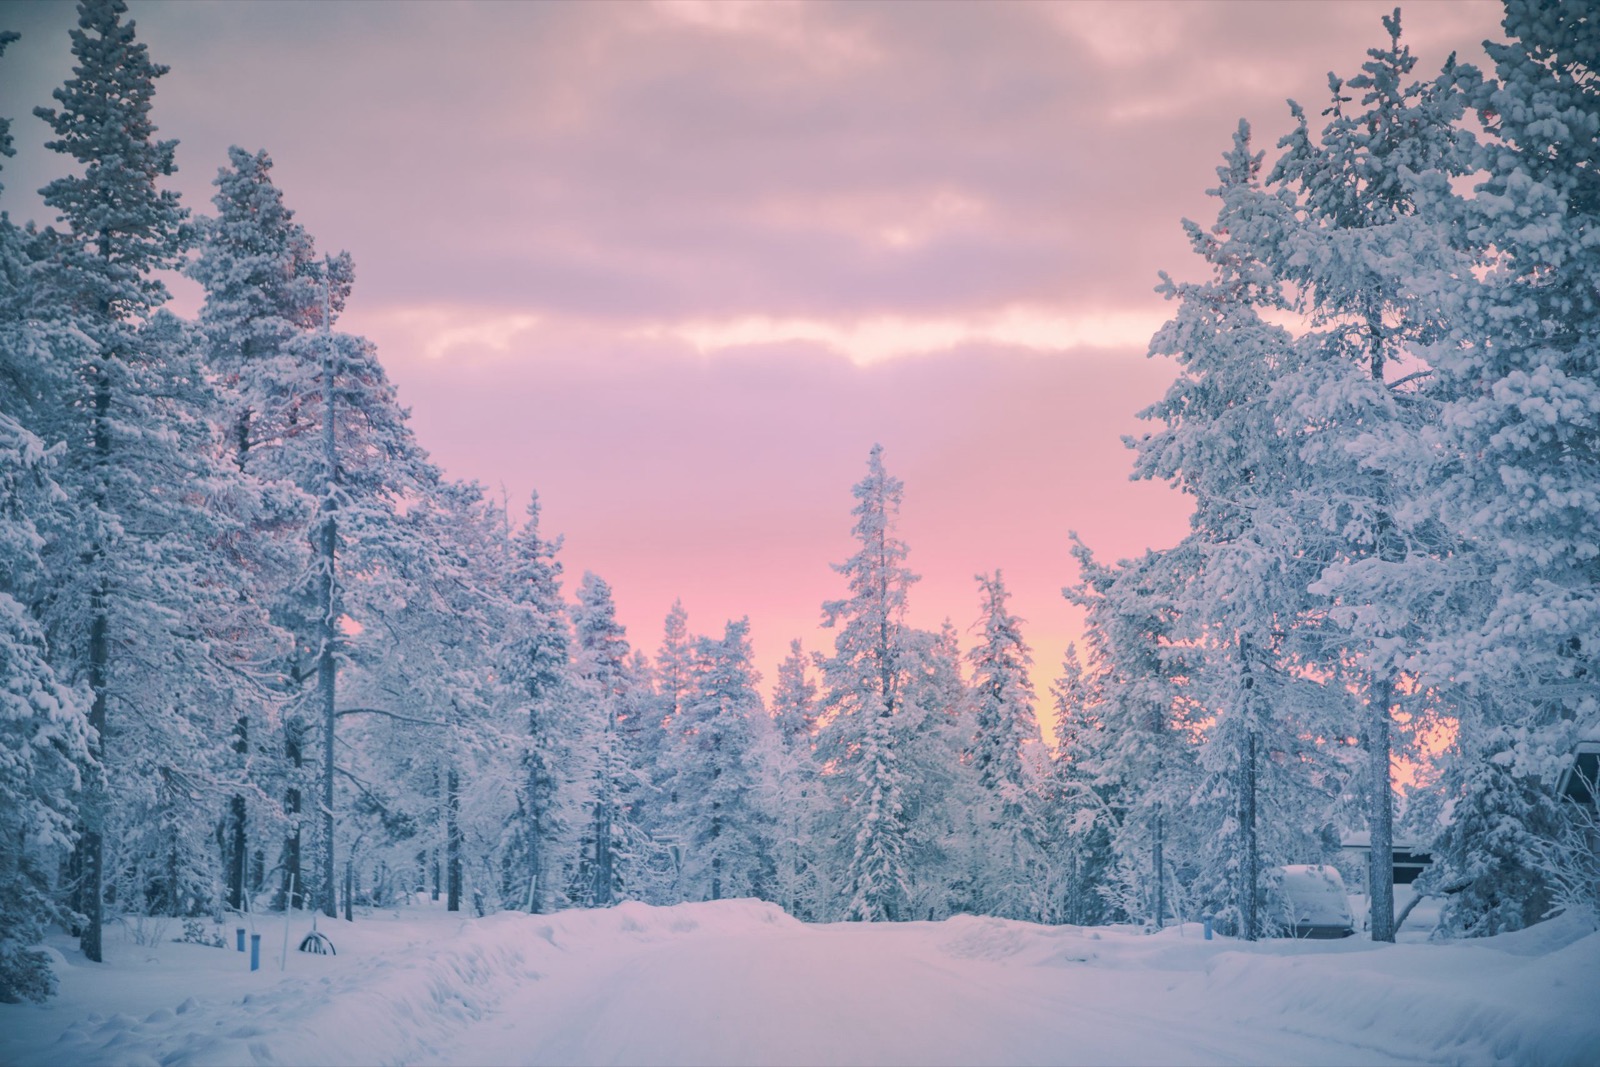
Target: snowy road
pixel 845 995
pixel 969 991
pixel 739 982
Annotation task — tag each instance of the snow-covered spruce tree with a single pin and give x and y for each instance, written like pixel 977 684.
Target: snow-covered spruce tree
pixel 1010 878
pixel 792 789
pixel 1488 857
pixel 137 586
pixel 938 796
pixel 426 732
pixel 264 291
pixel 360 462
pixel 1353 256
pixel 43 729
pixel 1222 442
pixel 647 743
pixel 313 421
pixel 43 725
pixel 534 666
pixel 659 733
pixel 1077 803
pixel 1147 760
pixel 863 682
pixel 611 848
pixel 717 815
pixel 1518 372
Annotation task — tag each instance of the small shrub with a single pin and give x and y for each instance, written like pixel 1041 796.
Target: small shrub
pixel 146 931
pixel 200 932
pixel 25 974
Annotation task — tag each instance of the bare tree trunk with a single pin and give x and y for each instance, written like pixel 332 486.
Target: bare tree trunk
pixel 238 842
pixel 293 877
pixel 536 855
pixel 91 846
pixel 1157 861
pixel 1250 875
pixel 1380 814
pixel 452 840
pixel 602 857
pixel 604 861
pixel 327 667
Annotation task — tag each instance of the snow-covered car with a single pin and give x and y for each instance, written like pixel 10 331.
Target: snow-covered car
pixel 1307 900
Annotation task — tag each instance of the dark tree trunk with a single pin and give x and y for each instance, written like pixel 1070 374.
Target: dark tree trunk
pixel 1250 875
pixel 91 846
pixel 1158 862
pixel 1380 817
pixel 294 882
pixel 602 857
pixel 327 666
pixel 452 839
pixel 238 845
pixel 536 857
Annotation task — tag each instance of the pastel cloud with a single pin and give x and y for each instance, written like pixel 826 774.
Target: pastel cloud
pixel 679 265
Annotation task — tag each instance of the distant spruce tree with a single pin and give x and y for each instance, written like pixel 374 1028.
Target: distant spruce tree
pixel 863 693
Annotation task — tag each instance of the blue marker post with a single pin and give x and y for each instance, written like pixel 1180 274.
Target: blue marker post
pixel 1208 928
pixel 255 952
pixel 238 933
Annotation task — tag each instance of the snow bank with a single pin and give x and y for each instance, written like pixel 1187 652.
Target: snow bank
pixel 1526 997
pixel 402 989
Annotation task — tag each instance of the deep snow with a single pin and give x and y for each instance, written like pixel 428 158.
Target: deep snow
pixel 739 982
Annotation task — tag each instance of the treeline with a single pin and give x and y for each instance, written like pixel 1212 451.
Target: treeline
pixel 259 652
pixel 1387 413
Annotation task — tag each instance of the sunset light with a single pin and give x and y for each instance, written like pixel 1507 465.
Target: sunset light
pixel 799 532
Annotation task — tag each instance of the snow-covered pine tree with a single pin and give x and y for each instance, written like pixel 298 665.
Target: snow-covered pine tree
pixel 717 814
pixel 1007 817
pixel 863 683
pixel 137 581
pixel 264 290
pixel 264 293
pixel 1489 855
pixel 672 672
pixel 1353 256
pixel 43 728
pixel 791 787
pixel 1077 803
pixel 1222 442
pixel 359 460
pixel 1518 372
pixel 931 734
pixel 1147 760
pixel 612 846
pixel 534 664
pixel 43 724
pixel 426 722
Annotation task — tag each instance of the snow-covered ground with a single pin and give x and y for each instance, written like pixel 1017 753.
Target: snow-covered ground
pixel 739 982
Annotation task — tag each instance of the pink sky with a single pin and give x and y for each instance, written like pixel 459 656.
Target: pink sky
pixel 677 266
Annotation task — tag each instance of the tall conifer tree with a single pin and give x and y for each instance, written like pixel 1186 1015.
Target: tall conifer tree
pixel 864 681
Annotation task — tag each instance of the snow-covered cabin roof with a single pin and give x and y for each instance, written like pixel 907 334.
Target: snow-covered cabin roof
pixel 1361 841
